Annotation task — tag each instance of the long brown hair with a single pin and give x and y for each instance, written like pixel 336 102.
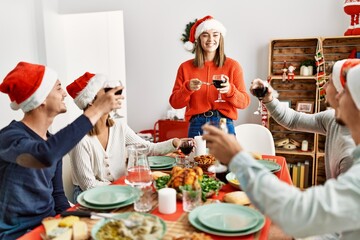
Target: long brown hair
pixel 95 130
pixel 219 58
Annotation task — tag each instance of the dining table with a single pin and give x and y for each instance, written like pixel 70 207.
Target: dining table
pixel 177 224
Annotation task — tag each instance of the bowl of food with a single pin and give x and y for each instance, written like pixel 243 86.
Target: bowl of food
pixel 232 180
pixel 148 227
pixel 205 161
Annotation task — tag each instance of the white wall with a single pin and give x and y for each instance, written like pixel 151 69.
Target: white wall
pixel 154 51
pixel 153 48
pixel 71 44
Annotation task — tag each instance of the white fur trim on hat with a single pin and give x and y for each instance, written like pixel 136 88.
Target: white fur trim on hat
pixel 208 25
pixel 353 83
pixel 336 74
pixel 189 46
pixel 38 97
pixel 88 94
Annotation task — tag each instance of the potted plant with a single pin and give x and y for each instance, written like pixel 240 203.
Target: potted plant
pixel 307 67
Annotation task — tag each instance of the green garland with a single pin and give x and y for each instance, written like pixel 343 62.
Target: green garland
pixel 186 34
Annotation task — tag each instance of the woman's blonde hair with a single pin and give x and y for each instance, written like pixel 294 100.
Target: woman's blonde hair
pixel 219 58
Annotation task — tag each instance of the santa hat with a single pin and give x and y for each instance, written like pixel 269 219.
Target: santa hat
pixel 84 89
pixel 200 26
pixel 340 70
pixel 28 85
pixel 353 83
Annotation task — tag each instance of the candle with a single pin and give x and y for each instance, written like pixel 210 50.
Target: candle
pixel 304 145
pixel 200 146
pixel 167 200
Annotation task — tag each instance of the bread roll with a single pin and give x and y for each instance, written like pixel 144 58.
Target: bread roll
pixel 237 197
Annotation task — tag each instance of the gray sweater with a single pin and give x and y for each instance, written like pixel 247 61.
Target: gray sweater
pixel 339 143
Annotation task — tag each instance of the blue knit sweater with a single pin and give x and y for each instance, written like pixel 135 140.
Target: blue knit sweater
pixel 28 195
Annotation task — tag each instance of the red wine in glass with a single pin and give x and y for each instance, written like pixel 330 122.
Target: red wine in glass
pixel 186 146
pixel 217 83
pixel 260 92
pixel 119 92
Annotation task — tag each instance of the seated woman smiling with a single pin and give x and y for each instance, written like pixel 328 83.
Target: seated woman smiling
pixel 100 157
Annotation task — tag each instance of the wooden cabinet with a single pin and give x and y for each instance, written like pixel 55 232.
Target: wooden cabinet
pixel 305 89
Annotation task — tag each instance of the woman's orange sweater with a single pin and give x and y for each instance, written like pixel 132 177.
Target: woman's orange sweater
pixel 204 99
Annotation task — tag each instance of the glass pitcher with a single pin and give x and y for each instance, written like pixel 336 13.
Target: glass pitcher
pixel 138 170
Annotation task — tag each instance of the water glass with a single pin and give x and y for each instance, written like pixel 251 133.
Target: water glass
pixel 191 199
pixel 182 161
pixel 143 202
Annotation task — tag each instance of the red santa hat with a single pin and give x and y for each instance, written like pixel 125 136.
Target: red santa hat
pixel 353 83
pixel 200 26
pixel 340 69
pixel 84 89
pixel 28 85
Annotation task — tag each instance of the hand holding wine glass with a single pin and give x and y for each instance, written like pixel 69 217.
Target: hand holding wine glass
pixel 218 81
pixel 259 89
pixel 186 145
pixel 110 84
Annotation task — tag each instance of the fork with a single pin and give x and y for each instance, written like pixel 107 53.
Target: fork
pixel 206 83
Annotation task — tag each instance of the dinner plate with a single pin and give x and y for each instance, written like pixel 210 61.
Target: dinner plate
pixel 272 166
pixel 195 222
pixel 103 221
pixel 107 195
pixel 228 217
pixel 131 200
pixel 160 161
pixel 166 167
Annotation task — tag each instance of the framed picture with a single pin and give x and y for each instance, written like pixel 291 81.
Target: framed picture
pixel 305 106
pixel 286 103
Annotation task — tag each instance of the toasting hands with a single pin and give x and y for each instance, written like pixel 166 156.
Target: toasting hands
pixel 222 145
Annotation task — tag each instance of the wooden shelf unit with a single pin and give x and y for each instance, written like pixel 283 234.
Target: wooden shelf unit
pixel 305 88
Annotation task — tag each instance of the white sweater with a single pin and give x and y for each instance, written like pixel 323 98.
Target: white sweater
pixel 92 165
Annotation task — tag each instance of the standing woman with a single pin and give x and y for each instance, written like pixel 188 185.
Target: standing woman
pixel 193 87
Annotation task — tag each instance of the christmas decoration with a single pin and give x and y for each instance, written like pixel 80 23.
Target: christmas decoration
pixel 284 70
pixel 320 71
pixel 352 8
pixel 186 36
pixel 291 74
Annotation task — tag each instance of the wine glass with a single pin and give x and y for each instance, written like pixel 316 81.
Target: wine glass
pixel 259 92
pixel 110 84
pixel 186 146
pixel 218 79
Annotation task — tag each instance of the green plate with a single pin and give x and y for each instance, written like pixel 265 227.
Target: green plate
pixel 195 222
pixel 101 222
pixel 228 217
pixel 272 166
pixel 107 195
pixel 82 202
pixel 160 161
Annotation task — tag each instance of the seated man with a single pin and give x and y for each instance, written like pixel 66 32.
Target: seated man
pixel 30 157
pixel 331 208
